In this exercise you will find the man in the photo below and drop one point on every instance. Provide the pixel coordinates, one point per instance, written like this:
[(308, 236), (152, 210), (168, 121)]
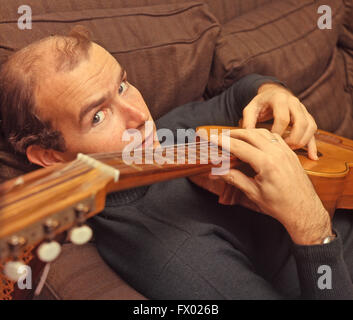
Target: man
[(173, 240)]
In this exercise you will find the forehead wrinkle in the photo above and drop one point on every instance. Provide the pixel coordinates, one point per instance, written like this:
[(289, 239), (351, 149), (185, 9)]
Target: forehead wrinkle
[(72, 90), (94, 77)]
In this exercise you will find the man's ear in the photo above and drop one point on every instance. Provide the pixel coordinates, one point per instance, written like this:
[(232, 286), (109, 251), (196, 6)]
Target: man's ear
[(43, 157)]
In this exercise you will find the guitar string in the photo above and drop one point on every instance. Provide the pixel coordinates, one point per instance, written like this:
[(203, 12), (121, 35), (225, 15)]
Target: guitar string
[(76, 164), (45, 189), (79, 165), (99, 156)]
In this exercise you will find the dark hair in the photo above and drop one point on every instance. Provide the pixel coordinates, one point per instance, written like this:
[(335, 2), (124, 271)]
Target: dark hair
[(20, 124)]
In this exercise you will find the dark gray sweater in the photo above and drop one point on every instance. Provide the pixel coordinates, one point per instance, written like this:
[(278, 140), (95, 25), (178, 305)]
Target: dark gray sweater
[(173, 240)]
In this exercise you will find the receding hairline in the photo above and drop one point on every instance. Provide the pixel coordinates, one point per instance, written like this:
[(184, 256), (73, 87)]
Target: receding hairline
[(23, 71), (61, 52)]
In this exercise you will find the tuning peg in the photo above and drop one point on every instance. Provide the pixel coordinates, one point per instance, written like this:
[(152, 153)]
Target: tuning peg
[(80, 235), (48, 251), (14, 270)]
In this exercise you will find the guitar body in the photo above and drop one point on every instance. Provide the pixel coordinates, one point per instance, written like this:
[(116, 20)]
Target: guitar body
[(331, 175)]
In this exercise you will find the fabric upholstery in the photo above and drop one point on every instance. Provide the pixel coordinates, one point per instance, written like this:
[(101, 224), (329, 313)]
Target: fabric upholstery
[(329, 99), (159, 66), (81, 274), (346, 49), (282, 39), (346, 36), (224, 10)]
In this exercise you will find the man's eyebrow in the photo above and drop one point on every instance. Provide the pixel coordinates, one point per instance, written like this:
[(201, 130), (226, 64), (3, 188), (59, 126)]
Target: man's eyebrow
[(88, 108), (92, 105)]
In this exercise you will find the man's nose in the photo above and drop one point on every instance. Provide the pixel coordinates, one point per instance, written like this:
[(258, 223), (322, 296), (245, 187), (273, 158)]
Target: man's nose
[(135, 116)]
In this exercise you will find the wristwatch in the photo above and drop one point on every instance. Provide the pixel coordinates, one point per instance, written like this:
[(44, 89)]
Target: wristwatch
[(329, 239)]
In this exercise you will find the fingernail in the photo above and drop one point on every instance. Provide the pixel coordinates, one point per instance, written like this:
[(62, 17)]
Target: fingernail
[(313, 157)]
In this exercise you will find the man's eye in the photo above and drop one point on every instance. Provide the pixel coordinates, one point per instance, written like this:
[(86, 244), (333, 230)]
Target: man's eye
[(98, 117), (123, 87)]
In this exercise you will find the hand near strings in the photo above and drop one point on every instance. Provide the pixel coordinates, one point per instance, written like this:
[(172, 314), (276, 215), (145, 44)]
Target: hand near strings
[(273, 101), (280, 187)]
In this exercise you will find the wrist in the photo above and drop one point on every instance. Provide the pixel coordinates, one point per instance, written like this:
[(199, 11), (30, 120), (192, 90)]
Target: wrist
[(313, 233)]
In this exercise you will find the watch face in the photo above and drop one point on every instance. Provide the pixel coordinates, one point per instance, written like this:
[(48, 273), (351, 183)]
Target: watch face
[(328, 239)]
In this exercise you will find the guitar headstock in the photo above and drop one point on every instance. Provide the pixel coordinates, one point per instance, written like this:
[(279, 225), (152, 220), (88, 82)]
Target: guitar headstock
[(37, 207)]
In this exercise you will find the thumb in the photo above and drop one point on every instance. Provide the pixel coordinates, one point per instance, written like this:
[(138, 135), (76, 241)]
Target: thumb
[(245, 202), (242, 182)]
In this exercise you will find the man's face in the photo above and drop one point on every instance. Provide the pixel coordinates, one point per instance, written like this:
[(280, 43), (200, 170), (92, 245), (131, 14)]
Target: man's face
[(93, 105)]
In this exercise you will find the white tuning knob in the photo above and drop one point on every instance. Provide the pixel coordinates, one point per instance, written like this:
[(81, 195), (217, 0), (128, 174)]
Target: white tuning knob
[(49, 251), (80, 235), (14, 270)]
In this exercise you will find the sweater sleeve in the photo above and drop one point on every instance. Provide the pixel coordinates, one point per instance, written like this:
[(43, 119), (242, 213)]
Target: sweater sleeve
[(322, 271), (224, 110)]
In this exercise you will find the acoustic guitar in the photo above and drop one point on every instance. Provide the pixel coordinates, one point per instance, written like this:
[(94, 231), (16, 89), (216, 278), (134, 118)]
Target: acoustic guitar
[(38, 206)]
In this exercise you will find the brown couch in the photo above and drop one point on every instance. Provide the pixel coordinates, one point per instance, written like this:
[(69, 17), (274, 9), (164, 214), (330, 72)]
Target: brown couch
[(176, 51)]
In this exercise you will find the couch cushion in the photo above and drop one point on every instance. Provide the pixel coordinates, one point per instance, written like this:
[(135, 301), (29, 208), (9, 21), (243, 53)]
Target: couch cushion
[(329, 98), (346, 37), (282, 39), (80, 274), (167, 49), (224, 10)]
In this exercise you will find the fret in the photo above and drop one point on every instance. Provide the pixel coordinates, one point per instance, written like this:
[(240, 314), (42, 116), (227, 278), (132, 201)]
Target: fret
[(173, 158)]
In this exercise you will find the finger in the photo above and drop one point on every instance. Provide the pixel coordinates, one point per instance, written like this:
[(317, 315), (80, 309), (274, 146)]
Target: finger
[(259, 138), (236, 195), (308, 138), (312, 149), (250, 114), (245, 202), (242, 182), (281, 118), (229, 195), (281, 141), (242, 150), (299, 127), (284, 145), (202, 134)]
